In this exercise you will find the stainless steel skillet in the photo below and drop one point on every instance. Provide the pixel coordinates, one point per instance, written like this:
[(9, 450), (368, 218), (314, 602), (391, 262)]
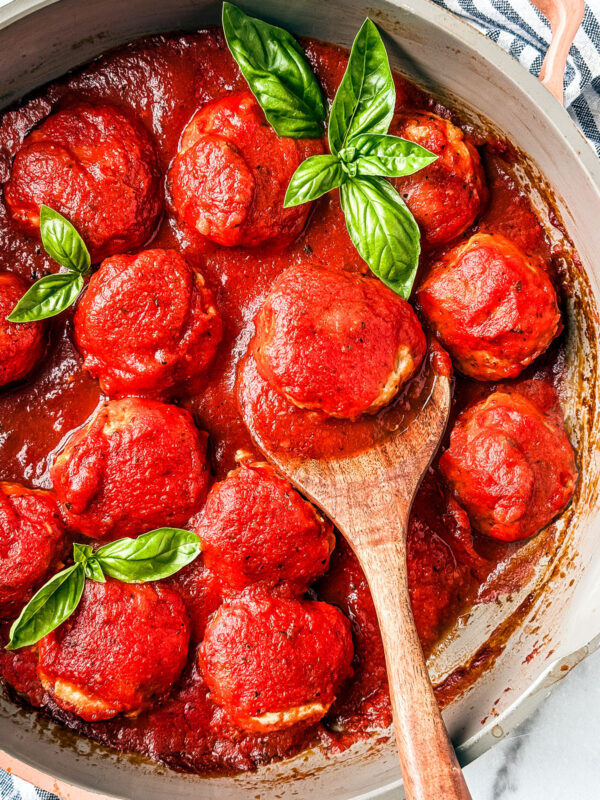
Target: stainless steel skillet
[(561, 623)]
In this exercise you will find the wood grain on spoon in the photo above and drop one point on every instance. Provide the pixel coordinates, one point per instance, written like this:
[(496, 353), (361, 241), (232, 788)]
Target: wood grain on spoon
[(369, 496)]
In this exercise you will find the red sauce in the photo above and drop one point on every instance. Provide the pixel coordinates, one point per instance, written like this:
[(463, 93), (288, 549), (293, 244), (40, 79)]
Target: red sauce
[(163, 80)]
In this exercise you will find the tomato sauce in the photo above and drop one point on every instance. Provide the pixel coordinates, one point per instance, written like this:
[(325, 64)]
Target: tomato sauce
[(163, 80)]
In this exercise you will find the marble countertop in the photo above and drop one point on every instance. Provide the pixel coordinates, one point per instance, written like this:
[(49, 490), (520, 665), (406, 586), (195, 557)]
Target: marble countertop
[(555, 754)]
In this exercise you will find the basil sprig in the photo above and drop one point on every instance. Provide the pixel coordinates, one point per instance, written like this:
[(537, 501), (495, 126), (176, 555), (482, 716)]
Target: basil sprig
[(151, 557), (278, 74), (380, 225), (53, 293)]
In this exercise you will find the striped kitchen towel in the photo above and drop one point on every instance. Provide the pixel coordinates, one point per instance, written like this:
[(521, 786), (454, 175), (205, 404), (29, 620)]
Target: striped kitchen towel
[(520, 29), (12, 788)]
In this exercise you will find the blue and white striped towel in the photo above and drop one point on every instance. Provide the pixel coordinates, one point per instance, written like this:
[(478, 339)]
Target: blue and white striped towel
[(520, 29)]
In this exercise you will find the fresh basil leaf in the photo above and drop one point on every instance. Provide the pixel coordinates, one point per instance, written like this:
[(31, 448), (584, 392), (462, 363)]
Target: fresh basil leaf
[(150, 557), (48, 608), (314, 177), (383, 231), (381, 154), (278, 74), (62, 242), (47, 297), (366, 97)]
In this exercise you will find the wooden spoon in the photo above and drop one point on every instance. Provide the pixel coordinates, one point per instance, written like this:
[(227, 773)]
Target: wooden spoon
[(369, 496)]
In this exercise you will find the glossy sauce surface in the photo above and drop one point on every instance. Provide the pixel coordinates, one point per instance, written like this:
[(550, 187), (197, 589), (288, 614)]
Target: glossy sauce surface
[(163, 81)]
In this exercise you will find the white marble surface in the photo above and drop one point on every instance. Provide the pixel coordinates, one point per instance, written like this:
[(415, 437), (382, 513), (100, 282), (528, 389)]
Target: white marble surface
[(554, 755)]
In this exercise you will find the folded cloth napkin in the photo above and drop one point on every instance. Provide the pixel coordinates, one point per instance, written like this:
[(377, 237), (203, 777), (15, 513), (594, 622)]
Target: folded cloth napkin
[(521, 30)]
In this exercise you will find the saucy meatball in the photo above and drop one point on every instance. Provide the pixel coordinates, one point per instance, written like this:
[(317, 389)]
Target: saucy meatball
[(97, 167), (124, 645), (336, 341), (22, 344), (255, 527), (147, 324), (231, 172), (32, 543), (271, 662), (510, 465), (137, 465), (445, 197), (491, 306)]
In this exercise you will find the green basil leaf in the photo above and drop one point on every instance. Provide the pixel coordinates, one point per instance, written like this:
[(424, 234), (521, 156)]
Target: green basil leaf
[(383, 231), (48, 608), (62, 242), (314, 177), (366, 97), (150, 557), (381, 154), (47, 297), (278, 74)]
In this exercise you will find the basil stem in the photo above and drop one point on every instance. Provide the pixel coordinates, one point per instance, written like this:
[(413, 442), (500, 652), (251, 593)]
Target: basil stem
[(278, 74), (151, 557), (84, 553)]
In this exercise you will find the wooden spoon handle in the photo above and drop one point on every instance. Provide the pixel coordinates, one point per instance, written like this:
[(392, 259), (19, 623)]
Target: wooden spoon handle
[(430, 769)]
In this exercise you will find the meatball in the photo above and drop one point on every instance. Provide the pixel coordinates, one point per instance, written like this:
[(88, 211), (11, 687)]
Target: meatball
[(147, 324), (336, 341), (32, 543), (445, 197), (510, 465), (22, 344), (491, 306), (124, 645), (271, 662), (137, 465), (97, 167), (229, 178), (255, 527), (202, 593)]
